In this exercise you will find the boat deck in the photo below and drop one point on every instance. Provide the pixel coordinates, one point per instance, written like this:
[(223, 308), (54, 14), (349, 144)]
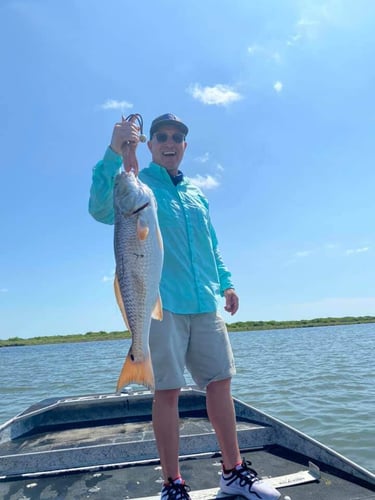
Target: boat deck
[(117, 434), (103, 448), (201, 473)]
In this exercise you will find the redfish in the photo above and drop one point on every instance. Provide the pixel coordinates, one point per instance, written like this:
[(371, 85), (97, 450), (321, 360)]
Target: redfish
[(139, 254)]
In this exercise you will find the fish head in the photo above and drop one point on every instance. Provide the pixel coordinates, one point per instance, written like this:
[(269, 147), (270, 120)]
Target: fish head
[(130, 194)]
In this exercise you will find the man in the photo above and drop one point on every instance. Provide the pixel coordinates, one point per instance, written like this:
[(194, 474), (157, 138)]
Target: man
[(193, 278)]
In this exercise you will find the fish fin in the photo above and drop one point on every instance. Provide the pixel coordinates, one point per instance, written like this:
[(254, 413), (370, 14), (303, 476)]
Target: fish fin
[(159, 238), (142, 230), (157, 313), (137, 372), (119, 300)]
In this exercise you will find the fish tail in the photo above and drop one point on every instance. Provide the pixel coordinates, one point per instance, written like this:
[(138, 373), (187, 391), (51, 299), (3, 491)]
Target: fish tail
[(137, 372)]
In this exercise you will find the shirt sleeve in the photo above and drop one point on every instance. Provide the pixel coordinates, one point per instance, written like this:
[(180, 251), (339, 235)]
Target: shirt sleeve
[(101, 192), (225, 277)]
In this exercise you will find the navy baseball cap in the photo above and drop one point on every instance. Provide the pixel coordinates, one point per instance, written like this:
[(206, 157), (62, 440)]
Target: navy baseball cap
[(168, 119)]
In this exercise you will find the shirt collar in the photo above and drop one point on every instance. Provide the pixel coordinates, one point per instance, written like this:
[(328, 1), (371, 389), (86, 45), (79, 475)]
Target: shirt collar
[(176, 179)]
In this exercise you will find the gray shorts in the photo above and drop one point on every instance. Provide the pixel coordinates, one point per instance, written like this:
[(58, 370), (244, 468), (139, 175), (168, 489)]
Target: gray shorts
[(198, 341)]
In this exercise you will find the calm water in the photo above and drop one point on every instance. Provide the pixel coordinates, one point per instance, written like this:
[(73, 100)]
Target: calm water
[(319, 380)]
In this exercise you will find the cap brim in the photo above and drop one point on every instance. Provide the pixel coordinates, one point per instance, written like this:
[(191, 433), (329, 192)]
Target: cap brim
[(173, 123)]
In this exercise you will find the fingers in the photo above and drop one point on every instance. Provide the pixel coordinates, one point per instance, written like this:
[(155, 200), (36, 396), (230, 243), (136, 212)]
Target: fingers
[(124, 132), (133, 119), (231, 301), (131, 125)]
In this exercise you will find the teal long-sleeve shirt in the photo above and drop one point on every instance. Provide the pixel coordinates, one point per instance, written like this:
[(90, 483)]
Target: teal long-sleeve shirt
[(194, 274)]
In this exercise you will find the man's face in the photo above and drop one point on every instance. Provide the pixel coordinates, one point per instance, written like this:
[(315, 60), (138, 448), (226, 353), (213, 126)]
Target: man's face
[(166, 149)]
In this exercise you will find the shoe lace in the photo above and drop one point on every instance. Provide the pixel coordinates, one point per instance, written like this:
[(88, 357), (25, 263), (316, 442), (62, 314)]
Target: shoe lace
[(244, 474), (178, 491)]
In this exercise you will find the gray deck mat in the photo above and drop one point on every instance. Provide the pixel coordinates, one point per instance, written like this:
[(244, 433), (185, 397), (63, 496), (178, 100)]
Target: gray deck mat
[(199, 473)]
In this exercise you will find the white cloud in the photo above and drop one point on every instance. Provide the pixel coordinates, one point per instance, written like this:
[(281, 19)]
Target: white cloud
[(327, 250), (203, 158), (306, 23), (331, 246), (219, 95), (352, 251), (110, 278), (313, 19), (113, 104), (205, 182), (293, 40), (278, 86), (4, 290), (256, 49), (304, 253)]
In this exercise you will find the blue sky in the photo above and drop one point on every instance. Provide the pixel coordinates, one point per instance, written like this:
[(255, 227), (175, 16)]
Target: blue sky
[(279, 98)]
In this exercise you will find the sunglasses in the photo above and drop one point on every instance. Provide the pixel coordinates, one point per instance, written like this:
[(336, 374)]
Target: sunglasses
[(163, 137)]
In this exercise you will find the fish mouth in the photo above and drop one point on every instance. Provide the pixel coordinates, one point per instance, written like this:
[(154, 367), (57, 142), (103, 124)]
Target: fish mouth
[(142, 207)]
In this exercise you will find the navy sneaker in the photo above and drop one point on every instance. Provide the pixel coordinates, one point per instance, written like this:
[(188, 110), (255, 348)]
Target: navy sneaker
[(175, 490), (245, 482)]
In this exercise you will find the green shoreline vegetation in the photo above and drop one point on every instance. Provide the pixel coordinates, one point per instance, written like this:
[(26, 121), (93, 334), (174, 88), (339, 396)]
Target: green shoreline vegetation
[(240, 326)]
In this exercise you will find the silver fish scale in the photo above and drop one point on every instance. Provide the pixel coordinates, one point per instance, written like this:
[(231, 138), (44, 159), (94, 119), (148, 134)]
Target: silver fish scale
[(138, 262)]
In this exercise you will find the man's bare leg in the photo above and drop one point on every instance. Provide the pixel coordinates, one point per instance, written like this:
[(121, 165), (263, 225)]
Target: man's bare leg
[(165, 419), (220, 409)]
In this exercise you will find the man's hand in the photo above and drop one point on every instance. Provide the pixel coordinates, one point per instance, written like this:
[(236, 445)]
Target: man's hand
[(123, 133), (231, 301)]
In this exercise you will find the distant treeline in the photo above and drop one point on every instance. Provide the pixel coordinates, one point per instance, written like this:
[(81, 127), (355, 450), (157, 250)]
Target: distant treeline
[(240, 326), (63, 339)]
